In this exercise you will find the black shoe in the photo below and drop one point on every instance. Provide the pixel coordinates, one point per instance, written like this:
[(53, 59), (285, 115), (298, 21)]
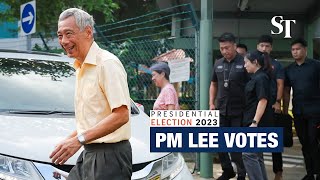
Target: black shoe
[(318, 177), (226, 175), (308, 177), (241, 178)]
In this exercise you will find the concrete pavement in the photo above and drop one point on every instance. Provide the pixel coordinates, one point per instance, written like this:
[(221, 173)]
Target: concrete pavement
[(293, 164)]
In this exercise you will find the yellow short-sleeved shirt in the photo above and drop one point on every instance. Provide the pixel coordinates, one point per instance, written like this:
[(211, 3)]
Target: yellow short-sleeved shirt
[(101, 86)]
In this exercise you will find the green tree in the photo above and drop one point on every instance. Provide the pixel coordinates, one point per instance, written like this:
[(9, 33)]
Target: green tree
[(134, 8), (48, 12), (129, 23)]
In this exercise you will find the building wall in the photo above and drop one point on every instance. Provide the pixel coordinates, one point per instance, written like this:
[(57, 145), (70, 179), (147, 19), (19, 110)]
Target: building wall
[(250, 28), (248, 31)]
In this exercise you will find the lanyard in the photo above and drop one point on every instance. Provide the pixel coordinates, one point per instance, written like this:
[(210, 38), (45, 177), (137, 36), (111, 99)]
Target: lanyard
[(226, 80)]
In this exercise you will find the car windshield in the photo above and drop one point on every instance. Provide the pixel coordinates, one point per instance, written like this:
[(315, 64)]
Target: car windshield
[(36, 85)]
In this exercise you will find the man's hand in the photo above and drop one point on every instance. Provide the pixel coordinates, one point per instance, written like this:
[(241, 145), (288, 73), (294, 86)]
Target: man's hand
[(276, 107), (65, 150), (212, 107), (253, 125)]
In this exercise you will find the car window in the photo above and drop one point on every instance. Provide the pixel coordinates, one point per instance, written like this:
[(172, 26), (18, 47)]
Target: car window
[(134, 108), (36, 85)]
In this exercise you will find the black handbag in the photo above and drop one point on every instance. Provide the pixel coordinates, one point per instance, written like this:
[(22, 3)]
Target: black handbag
[(318, 134), (285, 121)]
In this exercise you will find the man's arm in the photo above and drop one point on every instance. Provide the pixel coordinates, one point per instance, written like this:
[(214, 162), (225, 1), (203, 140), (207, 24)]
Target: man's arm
[(73, 134), (114, 121), (286, 99), (213, 94), (277, 104), (69, 147)]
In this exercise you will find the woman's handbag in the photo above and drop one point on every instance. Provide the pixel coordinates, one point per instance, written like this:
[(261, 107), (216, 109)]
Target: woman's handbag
[(285, 121)]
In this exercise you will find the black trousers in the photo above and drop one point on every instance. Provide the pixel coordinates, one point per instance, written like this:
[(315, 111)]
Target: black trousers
[(231, 121), (277, 162), (308, 134), (104, 162)]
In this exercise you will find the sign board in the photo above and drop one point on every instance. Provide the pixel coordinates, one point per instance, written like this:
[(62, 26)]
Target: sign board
[(179, 70), (28, 18)]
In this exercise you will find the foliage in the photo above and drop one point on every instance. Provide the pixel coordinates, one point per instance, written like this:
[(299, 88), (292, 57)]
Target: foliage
[(52, 50), (133, 8), (47, 12), (55, 69), (137, 19)]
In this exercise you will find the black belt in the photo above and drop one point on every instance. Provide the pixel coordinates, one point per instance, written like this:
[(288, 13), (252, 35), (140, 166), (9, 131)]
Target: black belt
[(97, 146)]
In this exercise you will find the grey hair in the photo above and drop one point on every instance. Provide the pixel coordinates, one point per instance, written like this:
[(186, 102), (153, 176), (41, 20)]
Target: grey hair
[(83, 19)]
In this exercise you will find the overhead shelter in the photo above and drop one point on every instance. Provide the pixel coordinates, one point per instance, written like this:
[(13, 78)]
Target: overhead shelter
[(247, 20)]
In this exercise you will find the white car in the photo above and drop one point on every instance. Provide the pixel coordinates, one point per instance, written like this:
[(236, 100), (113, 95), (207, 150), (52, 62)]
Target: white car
[(36, 113)]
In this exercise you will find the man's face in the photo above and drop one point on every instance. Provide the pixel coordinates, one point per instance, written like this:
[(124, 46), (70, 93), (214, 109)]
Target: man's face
[(71, 39), (228, 49), (298, 51), (264, 47), (241, 51)]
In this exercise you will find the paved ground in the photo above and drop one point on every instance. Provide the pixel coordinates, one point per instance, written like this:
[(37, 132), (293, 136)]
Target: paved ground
[(292, 158)]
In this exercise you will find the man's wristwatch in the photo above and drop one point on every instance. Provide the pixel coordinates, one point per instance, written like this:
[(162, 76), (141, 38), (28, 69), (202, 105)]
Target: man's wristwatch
[(278, 101), (81, 139), (254, 122)]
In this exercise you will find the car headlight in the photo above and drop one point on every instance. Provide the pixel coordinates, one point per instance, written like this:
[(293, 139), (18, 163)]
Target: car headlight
[(17, 169), (172, 165), (167, 168)]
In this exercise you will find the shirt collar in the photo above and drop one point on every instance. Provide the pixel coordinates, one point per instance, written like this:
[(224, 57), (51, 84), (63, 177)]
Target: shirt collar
[(90, 58), (306, 61), (257, 72), (232, 60)]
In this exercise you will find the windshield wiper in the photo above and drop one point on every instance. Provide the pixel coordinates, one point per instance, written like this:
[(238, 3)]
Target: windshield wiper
[(41, 112)]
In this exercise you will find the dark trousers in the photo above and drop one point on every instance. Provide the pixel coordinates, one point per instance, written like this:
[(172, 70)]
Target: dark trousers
[(231, 121), (277, 162), (111, 161), (307, 131)]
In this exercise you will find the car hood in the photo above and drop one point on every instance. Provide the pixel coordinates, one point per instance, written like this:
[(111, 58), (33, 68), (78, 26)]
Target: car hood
[(34, 137)]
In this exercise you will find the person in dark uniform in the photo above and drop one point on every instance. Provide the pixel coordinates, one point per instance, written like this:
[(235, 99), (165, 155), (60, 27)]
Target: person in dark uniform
[(242, 49), (227, 89), (303, 76), (277, 83), (258, 111)]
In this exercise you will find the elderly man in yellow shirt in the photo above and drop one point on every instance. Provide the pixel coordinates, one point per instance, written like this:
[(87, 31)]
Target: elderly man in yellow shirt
[(102, 105)]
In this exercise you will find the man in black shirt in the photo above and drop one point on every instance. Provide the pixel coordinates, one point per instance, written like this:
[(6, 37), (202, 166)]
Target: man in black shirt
[(242, 49), (227, 87), (303, 76)]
